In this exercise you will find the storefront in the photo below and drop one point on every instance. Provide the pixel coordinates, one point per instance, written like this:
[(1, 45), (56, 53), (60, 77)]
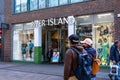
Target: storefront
[(43, 34), (54, 33), (100, 28)]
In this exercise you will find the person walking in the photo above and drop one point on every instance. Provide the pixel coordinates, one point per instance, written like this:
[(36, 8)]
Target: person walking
[(115, 56), (87, 44), (71, 61), (49, 54)]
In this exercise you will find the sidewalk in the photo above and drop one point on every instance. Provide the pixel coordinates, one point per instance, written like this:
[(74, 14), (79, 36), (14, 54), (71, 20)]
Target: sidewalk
[(44, 69)]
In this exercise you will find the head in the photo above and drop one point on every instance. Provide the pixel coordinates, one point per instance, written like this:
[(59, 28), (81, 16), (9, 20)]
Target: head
[(87, 42), (30, 40), (73, 39), (117, 43)]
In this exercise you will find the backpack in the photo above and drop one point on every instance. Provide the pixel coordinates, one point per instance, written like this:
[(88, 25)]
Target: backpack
[(84, 68), (95, 66)]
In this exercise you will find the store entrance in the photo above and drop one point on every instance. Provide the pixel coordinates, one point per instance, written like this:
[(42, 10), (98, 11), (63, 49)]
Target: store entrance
[(54, 37)]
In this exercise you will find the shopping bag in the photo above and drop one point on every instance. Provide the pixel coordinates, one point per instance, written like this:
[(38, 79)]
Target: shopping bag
[(114, 69)]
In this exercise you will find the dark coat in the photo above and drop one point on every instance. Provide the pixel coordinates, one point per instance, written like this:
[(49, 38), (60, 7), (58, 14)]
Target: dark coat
[(114, 53), (71, 62)]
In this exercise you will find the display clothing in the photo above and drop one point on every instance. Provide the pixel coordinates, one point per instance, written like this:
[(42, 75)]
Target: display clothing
[(105, 47)]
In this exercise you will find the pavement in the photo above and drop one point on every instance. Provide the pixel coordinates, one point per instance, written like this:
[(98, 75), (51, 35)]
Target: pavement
[(25, 71)]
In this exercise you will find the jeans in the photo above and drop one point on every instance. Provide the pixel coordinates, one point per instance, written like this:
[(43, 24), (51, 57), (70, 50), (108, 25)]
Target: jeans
[(117, 76)]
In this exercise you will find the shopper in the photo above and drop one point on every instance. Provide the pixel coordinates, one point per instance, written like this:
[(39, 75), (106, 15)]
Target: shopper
[(31, 45), (115, 56), (49, 54), (87, 44), (70, 62)]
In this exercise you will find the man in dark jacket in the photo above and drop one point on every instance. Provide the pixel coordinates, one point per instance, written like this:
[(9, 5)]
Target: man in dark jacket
[(115, 55), (70, 62)]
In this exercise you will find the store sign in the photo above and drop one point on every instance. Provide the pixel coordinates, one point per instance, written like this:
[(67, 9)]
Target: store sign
[(5, 26), (54, 21)]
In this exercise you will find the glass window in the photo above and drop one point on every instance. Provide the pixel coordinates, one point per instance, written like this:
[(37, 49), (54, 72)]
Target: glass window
[(33, 4), (62, 2), (87, 19), (105, 17), (22, 34), (74, 1), (42, 3), (53, 3), (23, 5), (17, 6)]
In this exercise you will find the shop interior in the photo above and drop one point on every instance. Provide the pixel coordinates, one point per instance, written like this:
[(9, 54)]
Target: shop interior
[(54, 37)]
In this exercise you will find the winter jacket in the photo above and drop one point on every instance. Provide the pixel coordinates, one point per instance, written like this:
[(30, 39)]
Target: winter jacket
[(114, 53), (70, 62)]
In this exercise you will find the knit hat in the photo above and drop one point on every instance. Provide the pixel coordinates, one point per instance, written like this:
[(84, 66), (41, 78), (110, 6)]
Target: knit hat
[(87, 41)]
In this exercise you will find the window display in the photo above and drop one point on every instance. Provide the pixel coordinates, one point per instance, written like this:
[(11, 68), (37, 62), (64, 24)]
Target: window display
[(23, 42), (104, 41), (100, 28)]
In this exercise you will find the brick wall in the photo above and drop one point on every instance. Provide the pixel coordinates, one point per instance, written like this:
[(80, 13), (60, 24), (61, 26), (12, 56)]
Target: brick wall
[(77, 9)]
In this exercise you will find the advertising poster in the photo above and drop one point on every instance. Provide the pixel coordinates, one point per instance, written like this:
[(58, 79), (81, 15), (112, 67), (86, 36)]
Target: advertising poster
[(55, 57)]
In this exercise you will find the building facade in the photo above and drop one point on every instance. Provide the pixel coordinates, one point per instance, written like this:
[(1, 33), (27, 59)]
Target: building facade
[(48, 24), (1, 36)]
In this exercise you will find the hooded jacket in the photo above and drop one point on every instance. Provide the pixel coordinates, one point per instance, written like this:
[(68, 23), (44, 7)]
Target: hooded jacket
[(70, 62)]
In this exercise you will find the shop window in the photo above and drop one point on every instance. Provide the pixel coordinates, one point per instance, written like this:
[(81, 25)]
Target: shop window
[(42, 4), (33, 4), (20, 6), (102, 18), (53, 3), (62, 2), (87, 19), (23, 5), (84, 31), (75, 1), (17, 6), (100, 28), (22, 35), (103, 40)]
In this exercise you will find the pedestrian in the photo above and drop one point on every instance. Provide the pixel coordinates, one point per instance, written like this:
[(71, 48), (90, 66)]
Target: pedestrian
[(49, 54), (87, 44), (71, 61), (115, 56), (31, 45)]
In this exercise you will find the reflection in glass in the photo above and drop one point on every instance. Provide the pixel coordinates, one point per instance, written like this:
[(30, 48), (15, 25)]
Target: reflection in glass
[(33, 4), (42, 4), (23, 5), (62, 2), (53, 3), (74, 1), (17, 6)]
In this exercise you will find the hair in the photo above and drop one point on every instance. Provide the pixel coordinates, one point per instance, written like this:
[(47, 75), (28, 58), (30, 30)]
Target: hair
[(116, 41)]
